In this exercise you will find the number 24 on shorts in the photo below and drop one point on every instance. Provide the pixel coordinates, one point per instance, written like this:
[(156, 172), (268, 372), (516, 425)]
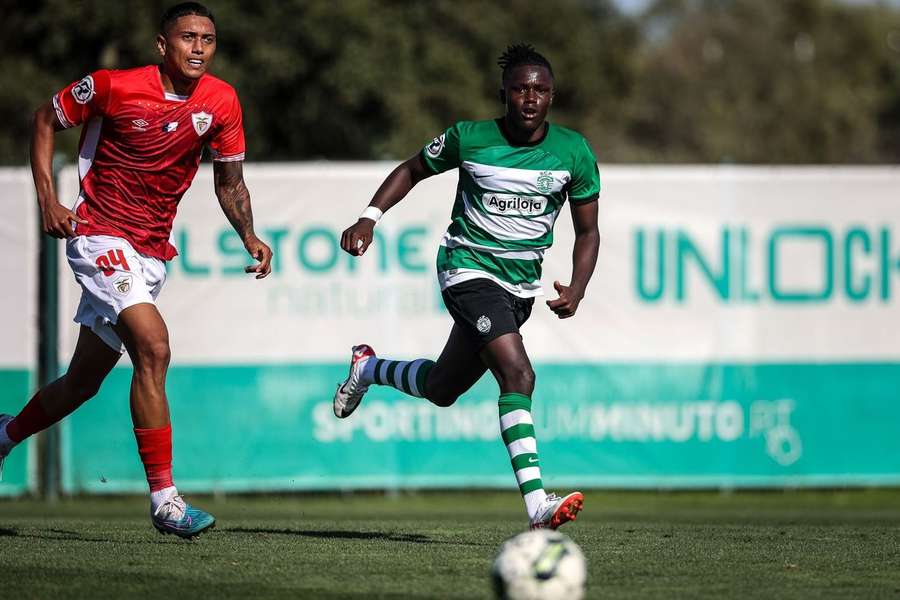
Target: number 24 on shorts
[(114, 258)]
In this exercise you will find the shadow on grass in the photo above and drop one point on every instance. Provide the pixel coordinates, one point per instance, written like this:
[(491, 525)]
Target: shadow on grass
[(412, 538), (74, 536)]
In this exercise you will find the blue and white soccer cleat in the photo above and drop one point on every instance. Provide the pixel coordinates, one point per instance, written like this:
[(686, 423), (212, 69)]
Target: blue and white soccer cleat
[(4, 452), (351, 391), (179, 518), (555, 511)]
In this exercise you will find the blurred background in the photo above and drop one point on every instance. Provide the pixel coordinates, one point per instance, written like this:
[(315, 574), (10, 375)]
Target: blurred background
[(666, 81), (741, 330)]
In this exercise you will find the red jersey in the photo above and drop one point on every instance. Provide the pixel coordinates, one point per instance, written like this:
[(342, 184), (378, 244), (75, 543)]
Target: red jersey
[(140, 148)]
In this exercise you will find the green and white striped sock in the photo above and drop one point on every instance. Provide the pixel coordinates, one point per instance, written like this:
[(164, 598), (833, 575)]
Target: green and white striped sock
[(517, 429), (407, 376)]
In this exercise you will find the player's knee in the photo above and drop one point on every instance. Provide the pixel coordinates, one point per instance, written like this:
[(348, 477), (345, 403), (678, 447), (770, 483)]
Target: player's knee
[(443, 399), (518, 378), (153, 355), (526, 379), (81, 390)]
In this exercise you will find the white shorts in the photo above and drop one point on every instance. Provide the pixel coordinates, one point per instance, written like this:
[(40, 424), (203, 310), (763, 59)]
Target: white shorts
[(112, 276)]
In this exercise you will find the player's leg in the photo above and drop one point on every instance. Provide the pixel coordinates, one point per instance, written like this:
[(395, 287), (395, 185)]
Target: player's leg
[(502, 315), (146, 338), (441, 382), (456, 370), (91, 362), (509, 363)]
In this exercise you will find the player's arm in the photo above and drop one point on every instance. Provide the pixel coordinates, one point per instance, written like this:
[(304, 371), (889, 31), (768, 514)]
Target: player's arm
[(56, 219), (357, 237), (584, 259), (234, 198)]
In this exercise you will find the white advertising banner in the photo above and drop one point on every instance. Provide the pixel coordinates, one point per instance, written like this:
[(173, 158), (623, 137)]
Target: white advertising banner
[(18, 269), (696, 263)]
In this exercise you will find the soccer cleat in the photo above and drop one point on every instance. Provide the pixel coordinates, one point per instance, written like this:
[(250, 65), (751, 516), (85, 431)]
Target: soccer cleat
[(179, 518), (349, 393), (4, 452), (554, 511)]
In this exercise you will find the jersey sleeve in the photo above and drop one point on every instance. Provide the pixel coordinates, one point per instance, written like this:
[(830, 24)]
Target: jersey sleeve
[(585, 184), (82, 100), (442, 154), (227, 145)]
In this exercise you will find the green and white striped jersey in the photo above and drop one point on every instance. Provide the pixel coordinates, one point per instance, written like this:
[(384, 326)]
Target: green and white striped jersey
[(507, 200)]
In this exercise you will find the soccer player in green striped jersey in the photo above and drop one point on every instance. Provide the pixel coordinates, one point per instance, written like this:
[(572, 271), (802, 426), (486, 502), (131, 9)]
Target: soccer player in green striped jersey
[(515, 173)]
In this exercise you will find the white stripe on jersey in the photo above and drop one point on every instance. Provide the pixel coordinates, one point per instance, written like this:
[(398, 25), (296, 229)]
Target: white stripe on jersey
[(60, 114), (232, 158), (508, 228), (514, 181), (456, 241), (88, 148)]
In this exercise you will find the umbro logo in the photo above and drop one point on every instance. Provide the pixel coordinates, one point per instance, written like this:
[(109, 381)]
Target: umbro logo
[(140, 125)]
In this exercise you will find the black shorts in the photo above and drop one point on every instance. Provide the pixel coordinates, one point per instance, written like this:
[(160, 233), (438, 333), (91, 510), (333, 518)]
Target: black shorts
[(484, 310)]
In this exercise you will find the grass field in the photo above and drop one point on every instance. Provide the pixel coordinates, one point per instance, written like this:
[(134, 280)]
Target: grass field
[(796, 544)]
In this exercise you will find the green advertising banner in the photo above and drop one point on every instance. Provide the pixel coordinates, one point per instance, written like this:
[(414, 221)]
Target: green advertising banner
[(18, 468), (243, 428)]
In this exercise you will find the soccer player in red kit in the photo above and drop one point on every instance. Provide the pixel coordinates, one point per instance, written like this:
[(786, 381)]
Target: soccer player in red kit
[(143, 132)]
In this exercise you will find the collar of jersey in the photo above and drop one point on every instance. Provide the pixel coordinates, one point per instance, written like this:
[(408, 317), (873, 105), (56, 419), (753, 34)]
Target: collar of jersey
[(502, 129)]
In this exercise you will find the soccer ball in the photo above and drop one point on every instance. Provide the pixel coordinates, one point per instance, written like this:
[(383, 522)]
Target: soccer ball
[(539, 565)]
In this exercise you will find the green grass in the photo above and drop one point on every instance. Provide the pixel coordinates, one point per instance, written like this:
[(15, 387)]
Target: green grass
[(799, 544)]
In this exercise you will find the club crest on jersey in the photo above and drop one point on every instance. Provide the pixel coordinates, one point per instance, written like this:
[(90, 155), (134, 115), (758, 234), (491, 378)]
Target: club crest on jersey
[(83, 91), (545, 182), (123, 284), (201, 121), (436, 146)]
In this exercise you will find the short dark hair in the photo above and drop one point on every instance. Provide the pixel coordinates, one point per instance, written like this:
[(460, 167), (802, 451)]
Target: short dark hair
[(521, 54), (184, 9)]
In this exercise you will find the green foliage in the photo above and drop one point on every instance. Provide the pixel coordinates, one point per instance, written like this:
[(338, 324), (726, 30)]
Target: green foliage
[(798, 81), (802, 81)]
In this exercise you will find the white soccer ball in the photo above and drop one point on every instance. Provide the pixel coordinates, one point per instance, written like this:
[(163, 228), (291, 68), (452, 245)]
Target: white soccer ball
[(539, 565)]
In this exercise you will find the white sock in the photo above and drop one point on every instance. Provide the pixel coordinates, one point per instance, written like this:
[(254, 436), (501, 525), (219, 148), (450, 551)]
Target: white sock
[(367, 376), (533, 500), (159, 497)]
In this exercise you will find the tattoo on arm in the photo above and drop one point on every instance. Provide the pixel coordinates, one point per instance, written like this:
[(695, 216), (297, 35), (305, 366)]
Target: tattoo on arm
[(234, 198)]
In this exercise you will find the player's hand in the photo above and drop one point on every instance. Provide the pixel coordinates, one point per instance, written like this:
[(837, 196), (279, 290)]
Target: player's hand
[(262, 253), (356, 238), (57, 220), (568, 301)]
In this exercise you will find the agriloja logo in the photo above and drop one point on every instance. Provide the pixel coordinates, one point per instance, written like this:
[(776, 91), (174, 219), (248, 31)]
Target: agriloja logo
[(513, 205)]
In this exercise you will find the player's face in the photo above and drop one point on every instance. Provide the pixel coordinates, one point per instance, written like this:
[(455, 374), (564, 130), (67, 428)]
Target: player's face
[(188, 47), (528, 93)]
